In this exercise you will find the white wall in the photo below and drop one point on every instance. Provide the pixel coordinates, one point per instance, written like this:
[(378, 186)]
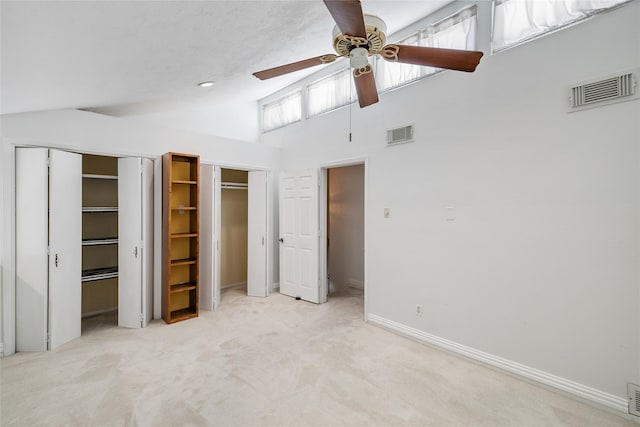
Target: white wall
[(346, 225), (541, 265), (94, 133)]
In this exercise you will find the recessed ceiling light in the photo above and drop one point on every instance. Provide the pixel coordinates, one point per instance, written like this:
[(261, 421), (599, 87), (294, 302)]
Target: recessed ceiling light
[(205, 84)]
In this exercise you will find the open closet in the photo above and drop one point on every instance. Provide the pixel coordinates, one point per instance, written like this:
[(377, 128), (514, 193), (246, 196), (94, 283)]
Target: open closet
[(84, 243), (100, 237), (234, 208)]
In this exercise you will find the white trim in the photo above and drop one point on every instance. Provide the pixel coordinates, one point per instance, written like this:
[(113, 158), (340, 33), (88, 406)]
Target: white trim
[(597, 396), (233, 285), (359, 284), (275, 287), (103, 311)]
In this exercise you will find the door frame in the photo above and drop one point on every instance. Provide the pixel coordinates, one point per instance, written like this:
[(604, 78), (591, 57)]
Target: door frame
[(324, 217), (217, 197)]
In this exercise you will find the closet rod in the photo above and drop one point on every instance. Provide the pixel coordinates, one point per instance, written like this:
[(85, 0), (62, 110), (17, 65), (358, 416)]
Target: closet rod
[(234, 186)]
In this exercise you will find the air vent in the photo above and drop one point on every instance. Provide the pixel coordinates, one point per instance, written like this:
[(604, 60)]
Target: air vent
[(633, 391), (400, 135), (618, 88)]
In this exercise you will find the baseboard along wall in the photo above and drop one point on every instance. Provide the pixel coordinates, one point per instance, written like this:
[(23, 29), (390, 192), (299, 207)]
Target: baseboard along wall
[(582, 391)]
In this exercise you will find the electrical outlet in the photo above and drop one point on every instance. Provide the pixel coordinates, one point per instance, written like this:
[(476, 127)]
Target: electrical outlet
[(419, 310)]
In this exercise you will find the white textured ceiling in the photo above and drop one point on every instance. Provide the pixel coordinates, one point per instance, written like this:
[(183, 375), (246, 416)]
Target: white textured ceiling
[(143, 59)]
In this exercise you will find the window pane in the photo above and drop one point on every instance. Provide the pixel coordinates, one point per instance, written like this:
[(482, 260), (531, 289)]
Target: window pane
[(455, 32), (518, 20), (282, 112), (330, 93)]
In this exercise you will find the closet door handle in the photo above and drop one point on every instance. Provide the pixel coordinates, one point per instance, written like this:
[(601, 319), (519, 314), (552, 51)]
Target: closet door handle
[(55, 261), (263, 241), (281, 240), (135, 252)]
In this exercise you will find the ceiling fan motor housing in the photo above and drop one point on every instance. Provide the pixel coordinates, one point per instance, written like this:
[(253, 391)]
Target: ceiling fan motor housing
[(376, 38)]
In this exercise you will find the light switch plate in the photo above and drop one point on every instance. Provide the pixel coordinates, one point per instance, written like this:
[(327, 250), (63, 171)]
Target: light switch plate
[(451, 213)]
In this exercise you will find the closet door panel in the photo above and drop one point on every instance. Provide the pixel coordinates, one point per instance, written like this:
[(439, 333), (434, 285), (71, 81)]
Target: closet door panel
[(207, 248), (147, 241), (257, 235), (32, 239), (130, 242), (65, 240)]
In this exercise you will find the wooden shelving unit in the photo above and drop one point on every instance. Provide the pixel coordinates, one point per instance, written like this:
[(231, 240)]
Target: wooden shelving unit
[(180, 231)]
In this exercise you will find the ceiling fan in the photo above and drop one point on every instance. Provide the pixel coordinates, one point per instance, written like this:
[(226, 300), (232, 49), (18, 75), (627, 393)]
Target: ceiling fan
[(357, 36)]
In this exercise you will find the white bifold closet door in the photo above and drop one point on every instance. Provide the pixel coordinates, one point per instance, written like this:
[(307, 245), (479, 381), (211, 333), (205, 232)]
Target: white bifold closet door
[(257, 235), (207, 238), (135, 242), (48, 248), (299, 231)]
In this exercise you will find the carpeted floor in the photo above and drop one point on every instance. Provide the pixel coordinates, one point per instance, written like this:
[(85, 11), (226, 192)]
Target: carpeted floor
[(276, 362)]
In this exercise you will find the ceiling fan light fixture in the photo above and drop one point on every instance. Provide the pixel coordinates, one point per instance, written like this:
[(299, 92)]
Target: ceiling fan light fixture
[(358, 57), (206, 84)]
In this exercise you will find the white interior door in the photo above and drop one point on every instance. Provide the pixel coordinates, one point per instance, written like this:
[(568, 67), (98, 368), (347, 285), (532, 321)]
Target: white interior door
[(65, 242), (257, 235), (32, 240), (299, 243), (207, 239)]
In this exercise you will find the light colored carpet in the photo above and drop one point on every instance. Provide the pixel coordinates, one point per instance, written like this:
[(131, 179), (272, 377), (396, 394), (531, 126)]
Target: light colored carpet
[(273, 361)]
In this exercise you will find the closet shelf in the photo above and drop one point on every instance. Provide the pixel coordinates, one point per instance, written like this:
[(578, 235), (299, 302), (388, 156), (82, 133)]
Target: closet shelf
[(99, 274), (181, 181), (184, 314), (183, 235), (99, 242), (185, 261), (97, 209), (184, 208), (96, 176), (182, 287)]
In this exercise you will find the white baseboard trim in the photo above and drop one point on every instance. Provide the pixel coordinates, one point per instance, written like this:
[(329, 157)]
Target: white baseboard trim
[(577, 389), (233, 285), (275, 287), (95, 313), (359, 284), (1, 349)]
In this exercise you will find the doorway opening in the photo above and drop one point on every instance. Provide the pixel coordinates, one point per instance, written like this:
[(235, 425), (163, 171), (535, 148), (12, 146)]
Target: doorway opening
[(99, 241), (234, 208), (344, 264)]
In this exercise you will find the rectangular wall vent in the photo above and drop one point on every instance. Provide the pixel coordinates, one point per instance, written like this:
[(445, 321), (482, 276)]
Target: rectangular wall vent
[(633, 391), (602, 92), (400, 135)]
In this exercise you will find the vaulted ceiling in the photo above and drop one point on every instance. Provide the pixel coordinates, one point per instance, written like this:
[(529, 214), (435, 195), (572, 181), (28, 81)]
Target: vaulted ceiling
[(143, 59)]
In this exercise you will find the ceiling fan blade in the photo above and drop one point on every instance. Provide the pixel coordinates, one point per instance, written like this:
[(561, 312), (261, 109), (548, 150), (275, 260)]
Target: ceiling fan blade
[(348, 16), (365, 86), (295, 66), (451, 59)]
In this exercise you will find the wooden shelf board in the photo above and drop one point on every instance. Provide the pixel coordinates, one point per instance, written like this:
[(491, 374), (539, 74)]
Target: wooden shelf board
[(182, 287), (181, 235), (182, 181), (185, 208), (184, 314), (185, 261)]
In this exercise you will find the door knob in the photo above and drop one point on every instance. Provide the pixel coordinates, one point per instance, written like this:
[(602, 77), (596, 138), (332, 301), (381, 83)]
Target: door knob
[(281, 240)]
